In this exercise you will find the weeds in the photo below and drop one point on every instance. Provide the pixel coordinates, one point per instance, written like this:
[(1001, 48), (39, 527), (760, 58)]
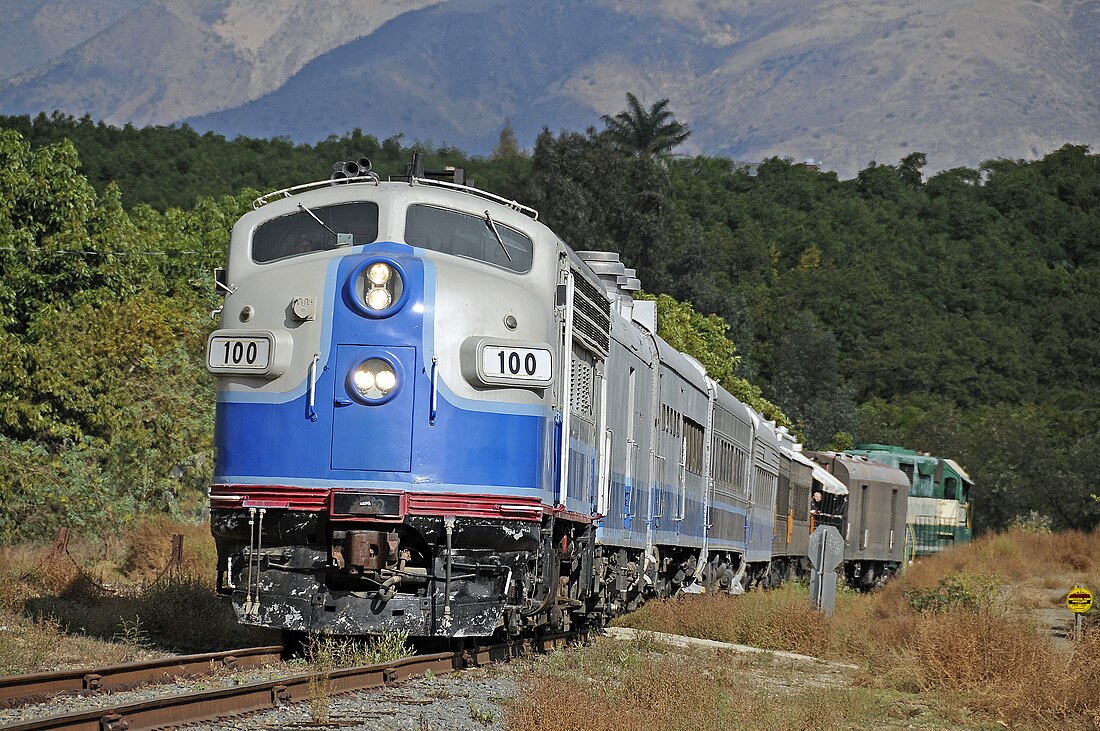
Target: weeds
[(486, 717), (951, 633), (645, 685), (133, 634), (326, 653), (957, 592)]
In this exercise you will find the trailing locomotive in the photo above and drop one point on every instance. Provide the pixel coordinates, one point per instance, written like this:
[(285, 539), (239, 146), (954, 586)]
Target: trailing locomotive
[(938, 514), (435, 416)]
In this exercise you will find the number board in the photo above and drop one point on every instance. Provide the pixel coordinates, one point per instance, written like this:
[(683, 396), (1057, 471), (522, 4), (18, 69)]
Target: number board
[(238, 354), (528, 366)]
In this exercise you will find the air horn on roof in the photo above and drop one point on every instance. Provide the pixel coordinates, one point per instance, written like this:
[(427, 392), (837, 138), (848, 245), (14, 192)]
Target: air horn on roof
[(347, 171)]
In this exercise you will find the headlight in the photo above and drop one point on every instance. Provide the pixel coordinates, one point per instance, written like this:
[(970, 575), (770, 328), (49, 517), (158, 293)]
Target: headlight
[(379, 273), (385, 380), (373, 380), (379, 299), (364, 381), (378, 288)]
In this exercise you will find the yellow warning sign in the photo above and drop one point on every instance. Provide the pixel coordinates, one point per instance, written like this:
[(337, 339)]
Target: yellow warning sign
[(1079, 600)]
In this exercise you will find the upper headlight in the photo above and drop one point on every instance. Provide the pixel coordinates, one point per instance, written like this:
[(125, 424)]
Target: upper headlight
[(379, 273), (378, 288)]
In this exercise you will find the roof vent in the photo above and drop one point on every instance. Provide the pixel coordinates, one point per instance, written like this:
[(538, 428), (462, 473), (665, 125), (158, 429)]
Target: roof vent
[(607, 266), (629, 282)]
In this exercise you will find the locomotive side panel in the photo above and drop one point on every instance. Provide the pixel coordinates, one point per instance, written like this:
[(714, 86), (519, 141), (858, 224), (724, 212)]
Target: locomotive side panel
[(630, 430)]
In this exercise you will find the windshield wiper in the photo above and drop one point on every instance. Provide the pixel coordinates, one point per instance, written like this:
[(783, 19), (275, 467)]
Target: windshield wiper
[(493, 227), (314, 217)]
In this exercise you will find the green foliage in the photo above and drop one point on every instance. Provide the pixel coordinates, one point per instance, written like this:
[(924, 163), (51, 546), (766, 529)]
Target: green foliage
[(957, 313), (703, 337), (957, 592), (569, 186), (651, 131), (105, 409)]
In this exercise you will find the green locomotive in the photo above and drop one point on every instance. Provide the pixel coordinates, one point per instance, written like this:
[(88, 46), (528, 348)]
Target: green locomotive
[(938, 514)]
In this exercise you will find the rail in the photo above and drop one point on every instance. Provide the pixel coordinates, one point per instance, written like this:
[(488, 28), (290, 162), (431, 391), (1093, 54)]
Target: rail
[(200, 706), (16, 690)]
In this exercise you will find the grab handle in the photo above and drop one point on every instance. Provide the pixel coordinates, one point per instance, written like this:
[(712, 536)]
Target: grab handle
[(312, 414), (433, 401)]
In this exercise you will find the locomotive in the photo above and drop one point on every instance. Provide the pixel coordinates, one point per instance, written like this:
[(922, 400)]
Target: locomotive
[(434, 416), (939, 507)]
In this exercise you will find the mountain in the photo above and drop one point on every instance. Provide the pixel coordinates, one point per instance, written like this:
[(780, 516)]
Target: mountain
[(159, 61), (840, 81)]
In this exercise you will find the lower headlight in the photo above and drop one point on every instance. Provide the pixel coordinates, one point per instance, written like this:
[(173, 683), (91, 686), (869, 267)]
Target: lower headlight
[(379, 299), (386, 380), (373, 380), (364, 381)]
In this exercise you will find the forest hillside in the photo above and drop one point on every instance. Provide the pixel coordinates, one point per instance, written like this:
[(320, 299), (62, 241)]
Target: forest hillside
[(957, 313)]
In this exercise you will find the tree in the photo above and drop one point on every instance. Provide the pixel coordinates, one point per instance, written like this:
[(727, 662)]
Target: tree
[(506, 144), (807, 381), (596, 196), (646, 132), (703, 337)]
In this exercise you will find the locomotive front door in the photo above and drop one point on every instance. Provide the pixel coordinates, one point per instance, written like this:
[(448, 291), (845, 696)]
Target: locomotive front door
[(372, 425)]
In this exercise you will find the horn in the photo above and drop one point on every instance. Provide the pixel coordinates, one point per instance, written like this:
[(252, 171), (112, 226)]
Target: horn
[(351, 168), (339, 177), (364, 165)]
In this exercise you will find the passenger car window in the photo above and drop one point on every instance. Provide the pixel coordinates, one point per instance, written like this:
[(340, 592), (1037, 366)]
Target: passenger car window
[(300, 233), (468, 236)]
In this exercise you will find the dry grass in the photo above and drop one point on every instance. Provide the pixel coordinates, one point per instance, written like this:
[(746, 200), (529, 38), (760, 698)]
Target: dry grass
[(641, 685), (958, 632), (781, 619), (103, 601), (991, 649), (148, 549)]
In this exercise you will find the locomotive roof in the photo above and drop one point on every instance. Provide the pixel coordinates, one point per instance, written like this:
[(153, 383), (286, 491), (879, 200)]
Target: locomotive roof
[(862, 469), (375, 182), (891, 454), (958, 468)]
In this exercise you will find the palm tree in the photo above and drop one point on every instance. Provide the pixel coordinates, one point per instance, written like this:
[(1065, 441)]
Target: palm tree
[(652, 132)]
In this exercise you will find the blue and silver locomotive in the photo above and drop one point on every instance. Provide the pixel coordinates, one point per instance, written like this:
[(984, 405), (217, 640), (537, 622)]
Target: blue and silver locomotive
[(435, 416)]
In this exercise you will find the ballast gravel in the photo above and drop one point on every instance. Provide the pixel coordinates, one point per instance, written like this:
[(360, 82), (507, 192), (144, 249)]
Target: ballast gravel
[(468, 700), (472, 700)]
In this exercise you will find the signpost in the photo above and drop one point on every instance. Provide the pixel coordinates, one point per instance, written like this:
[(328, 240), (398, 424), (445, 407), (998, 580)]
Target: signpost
[(826, 551), (1078, 601)]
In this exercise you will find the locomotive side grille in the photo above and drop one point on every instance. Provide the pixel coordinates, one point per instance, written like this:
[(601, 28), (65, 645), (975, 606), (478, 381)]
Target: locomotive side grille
[(591, 316), (580, 396)]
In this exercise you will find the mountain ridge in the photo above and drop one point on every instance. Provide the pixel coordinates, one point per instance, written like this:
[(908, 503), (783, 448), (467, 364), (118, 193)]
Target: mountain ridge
[(844, 82)]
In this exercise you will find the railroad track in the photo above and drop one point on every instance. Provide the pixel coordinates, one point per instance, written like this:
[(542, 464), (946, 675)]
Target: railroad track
[(17, 690), (199, 706)]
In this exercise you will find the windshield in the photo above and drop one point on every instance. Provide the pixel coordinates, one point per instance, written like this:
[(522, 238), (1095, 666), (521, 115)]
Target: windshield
[(473, 237), (346, 224)]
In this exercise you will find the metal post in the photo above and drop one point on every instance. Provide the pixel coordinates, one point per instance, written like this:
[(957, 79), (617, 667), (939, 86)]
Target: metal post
[(61, 540), (176, 561)]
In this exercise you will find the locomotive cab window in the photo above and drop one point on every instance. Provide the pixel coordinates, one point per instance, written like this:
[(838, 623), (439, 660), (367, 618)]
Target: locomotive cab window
[(315, 229), (480, 238), (949, 488)]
